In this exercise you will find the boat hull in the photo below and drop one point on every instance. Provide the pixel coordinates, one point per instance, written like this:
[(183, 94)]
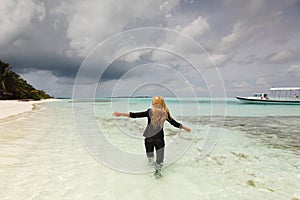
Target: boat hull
[(267, 101)]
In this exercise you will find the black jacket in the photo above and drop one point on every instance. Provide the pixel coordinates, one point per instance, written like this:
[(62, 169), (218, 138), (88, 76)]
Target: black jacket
[(151, 131)]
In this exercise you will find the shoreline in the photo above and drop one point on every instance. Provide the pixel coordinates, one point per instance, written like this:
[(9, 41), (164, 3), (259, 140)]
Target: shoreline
[(10, 108)]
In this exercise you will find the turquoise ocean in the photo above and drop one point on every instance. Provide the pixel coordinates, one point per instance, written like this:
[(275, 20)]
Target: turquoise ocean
[(234, 151)]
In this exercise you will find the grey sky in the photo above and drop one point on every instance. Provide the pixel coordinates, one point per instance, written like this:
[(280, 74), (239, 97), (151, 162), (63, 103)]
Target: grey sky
[(255, 44)]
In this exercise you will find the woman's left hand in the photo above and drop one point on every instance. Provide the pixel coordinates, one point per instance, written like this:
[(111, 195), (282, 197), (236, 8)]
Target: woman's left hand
[(186, 129)]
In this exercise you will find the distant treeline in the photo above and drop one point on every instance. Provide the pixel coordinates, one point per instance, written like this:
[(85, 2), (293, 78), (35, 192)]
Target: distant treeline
[(131, 97), (12, 86)]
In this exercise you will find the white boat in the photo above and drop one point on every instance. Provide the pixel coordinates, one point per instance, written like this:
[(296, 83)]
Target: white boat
[(279, 95)]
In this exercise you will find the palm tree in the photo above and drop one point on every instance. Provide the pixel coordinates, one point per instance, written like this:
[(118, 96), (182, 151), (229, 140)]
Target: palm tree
[(4, 70), (4, 73), (12, 86)]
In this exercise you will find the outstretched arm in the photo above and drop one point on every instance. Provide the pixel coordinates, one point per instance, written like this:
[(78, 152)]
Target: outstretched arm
[(176, 124), (131, 114), (119, 114)]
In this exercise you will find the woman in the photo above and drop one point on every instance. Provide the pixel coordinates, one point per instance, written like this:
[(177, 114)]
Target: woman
[(154, 133)]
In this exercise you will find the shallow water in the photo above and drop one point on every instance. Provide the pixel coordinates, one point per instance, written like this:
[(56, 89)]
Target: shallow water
[(256, 156)]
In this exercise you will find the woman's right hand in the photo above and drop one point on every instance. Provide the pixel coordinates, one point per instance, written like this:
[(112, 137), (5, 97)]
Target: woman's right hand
[(118, 114)]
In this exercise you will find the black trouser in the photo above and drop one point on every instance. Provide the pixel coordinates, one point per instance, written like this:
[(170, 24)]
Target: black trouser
[(159, 145)]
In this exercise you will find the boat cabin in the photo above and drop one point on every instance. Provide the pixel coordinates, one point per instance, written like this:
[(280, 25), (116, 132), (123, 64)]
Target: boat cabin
[(291, 93)]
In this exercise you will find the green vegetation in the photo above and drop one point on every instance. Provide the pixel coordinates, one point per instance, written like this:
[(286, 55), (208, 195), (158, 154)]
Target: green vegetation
[(12, 86)]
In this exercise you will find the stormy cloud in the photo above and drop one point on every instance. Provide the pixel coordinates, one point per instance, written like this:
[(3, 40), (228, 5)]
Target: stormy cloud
[(254, 44)]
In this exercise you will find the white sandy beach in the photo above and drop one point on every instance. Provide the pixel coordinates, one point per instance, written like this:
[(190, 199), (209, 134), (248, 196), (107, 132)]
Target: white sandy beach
[(13, 107)]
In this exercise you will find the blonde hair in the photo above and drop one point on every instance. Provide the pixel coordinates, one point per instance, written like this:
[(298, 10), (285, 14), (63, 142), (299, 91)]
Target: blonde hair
[(160, 111)]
